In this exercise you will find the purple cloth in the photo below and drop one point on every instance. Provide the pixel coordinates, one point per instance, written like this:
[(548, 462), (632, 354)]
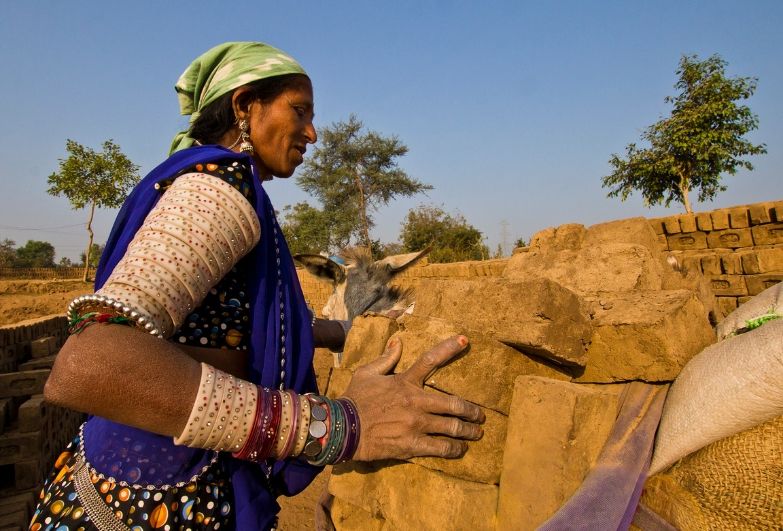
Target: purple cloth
[(138, 456), (608, 496)]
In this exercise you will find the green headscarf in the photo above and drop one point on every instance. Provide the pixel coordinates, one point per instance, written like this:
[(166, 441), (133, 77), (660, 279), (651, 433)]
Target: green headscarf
[(222, 69)]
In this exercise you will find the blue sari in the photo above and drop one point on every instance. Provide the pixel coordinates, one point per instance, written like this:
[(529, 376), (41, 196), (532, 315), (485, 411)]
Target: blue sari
[(277, 303)]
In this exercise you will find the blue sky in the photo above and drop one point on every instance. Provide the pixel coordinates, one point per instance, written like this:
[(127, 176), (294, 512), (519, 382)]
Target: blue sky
[(510, 109)]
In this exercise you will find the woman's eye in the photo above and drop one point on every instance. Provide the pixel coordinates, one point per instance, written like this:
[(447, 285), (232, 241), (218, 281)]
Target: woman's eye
[(300, 110)]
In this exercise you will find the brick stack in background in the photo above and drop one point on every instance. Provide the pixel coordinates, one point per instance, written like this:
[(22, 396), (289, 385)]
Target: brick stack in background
[(738, 249), (32, 433)]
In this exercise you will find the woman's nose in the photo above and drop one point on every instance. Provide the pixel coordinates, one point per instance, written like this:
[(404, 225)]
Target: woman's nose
[(311, 134)]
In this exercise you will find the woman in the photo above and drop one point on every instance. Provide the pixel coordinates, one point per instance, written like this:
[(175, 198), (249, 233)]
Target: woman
[(206, 429)]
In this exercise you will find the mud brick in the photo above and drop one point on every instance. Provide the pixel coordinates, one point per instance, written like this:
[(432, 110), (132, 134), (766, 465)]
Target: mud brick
[(32, 414), (687, 242), (777, 212), (770, 260), (23, 383), (731, 264), (663, 242), (726, 304), (16, 520), (760, 213), (750, 262), (704, 221), (40, 363), (720, 219), (688, 223), (691, 262), (769, 234), (728, 285), (8, 361), (657, 225), (16, 447), (28, 474), (671, 225), (758, 283), (4, 341), (43, 347), (710, 265), (730, 238), (14, 503), (742, 300), (5, 413), (739, 218)]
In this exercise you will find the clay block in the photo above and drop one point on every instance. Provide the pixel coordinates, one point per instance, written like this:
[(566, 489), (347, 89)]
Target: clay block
[(728, 285), (687, 223), (777, 212), (720, 219), (750, 262), (32, 414), (739, 218), (769, 234), (409, 496), (28, 474), (543, 467), (687, 242), (760, 213), (663, 242), (646, 335), (657, 226), (726, 305), (710, 265), (17, 520), (731, 264), (758, 283), (5, 413), (483, 460), (15, 446), (44, 347), (671, 225), (338, 382), (40, 363), (730, 239), (704, 222), (8, 359), (742, 300), (484, 374), (23, 383), (770, 260), (526, 314), (349, 517), (12, 504), (367, 339)]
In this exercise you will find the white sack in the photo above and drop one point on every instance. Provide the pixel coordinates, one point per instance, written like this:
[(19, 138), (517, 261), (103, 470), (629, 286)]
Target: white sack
[(769, 300), (727, 388)]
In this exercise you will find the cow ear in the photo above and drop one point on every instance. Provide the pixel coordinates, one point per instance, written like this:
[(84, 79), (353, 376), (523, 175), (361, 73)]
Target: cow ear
[(401, 262), (322, 267)]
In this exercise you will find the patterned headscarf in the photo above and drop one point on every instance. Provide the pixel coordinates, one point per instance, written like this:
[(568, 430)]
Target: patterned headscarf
[(222, 69)]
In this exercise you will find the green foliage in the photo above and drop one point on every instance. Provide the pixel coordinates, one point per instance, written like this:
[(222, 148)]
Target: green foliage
[(701, 140), (65, 262), (100, 180), (382, 250), (7, 253), (310, 230), (352, 173), (87, 177), (35, 254), (520, 242), (453, 239), (95, 255)]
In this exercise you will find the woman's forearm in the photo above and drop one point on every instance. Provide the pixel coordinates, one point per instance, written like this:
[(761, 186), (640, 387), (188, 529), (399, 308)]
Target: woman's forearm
[(127, 376)]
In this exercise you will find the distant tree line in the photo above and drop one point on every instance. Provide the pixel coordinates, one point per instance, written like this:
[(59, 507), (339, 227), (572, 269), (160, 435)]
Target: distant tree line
[(41, 254)]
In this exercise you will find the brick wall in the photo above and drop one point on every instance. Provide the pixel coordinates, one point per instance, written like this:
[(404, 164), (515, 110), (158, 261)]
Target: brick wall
[(738, 249), (32, 432)]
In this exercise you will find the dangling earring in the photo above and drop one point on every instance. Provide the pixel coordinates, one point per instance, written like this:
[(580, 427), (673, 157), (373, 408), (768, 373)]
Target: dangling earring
[(245, 146)]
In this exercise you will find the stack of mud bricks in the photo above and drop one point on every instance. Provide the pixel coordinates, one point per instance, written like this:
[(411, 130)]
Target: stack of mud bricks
[(738, 249), (32, 433)]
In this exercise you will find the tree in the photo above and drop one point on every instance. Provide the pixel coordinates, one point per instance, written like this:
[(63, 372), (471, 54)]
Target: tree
[(96, 250), (520, 242), (7, 253), (702, 139), (35, 254), (65, 262), (310, 230), (95, 179), (452, 238), (353, 173)]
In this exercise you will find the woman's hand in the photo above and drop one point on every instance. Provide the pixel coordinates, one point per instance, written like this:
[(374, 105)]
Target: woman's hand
[(398, 418)]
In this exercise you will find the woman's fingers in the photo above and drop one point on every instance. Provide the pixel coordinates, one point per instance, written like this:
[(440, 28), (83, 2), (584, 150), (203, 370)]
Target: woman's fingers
[(438, 447), (443, 404), (386, 362), (451, 426), (438, 356)]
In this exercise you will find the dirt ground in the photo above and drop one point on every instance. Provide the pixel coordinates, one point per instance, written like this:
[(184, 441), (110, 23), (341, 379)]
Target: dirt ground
[(21, 300)]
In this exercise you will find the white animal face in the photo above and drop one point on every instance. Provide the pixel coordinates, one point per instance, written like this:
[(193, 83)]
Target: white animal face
[(335, 307)]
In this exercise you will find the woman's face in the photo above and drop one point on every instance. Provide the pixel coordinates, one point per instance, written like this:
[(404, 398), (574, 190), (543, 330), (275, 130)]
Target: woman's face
[(281, 129)]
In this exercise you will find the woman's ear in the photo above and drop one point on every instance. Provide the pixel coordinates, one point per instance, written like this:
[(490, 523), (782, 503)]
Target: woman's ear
[(240, 102)]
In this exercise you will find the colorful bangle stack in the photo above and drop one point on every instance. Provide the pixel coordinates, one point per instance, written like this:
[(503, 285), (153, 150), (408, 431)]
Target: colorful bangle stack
[(199, 229), (258, 424)]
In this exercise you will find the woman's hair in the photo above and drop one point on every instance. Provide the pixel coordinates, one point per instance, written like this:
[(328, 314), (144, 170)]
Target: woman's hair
[(218, 117)]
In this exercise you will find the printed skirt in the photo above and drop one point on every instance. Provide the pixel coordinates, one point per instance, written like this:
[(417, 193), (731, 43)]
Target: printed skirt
[(75, 498)]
